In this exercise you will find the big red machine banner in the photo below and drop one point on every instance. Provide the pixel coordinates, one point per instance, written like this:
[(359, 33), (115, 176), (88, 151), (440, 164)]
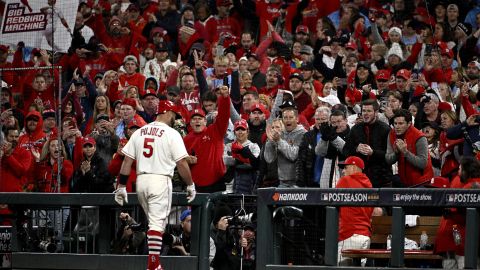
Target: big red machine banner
[(43, 24)]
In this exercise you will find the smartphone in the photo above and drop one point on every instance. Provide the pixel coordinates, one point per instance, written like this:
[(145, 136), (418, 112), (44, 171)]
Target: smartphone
[(225, 80)]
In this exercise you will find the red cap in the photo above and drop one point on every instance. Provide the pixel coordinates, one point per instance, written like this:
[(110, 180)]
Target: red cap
[(421, 11), (241, 124), (351, 45), (419, 90), (223, 3), (353, 160), (383, 74), (302, 29), (404, 73), (446, 51), (260, 107), (131, 102), (135, 123), (3, 48), (89, 140), (438, 182), (198, 112), (444, 106), (167, 105), (148, 91)]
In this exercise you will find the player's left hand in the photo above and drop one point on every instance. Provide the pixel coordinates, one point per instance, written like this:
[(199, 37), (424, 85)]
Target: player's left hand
[(121, 195), (191, 193)]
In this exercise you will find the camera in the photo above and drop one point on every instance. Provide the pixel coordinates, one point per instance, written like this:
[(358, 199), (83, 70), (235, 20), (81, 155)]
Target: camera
[(238, 221), (171, 240), (225, 80), (47, 246), (426, 99)]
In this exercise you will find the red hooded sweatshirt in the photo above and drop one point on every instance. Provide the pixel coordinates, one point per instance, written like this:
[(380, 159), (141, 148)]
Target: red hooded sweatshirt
[(354, 220)]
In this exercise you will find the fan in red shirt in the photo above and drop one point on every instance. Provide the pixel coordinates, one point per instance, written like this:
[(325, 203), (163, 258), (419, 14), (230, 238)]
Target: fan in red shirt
[(222, 23), (355, 226), (40, 91), (248, 45), (15, 163), (11, 77), (131, 76)]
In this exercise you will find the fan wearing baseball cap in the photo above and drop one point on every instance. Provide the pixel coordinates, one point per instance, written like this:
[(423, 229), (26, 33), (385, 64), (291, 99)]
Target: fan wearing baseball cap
[(131, 76), (242, 156), (205, 146), (354, 228)]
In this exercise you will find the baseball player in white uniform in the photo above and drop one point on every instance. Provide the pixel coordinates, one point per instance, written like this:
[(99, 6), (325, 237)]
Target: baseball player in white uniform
[(157, 149)]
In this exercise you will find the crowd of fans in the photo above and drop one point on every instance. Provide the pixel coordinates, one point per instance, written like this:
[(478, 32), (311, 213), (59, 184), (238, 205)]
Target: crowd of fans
[(393, 82)]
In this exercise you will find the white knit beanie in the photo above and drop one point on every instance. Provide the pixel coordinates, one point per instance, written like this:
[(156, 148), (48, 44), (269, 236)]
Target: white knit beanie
[(396, 30), (396, 50)]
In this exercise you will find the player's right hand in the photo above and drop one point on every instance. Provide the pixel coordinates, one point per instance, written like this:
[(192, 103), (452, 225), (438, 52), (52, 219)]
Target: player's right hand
[(121, 195), (191, 192)]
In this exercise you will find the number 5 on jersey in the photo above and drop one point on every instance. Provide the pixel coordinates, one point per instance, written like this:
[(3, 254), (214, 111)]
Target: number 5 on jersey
[(148, 147)]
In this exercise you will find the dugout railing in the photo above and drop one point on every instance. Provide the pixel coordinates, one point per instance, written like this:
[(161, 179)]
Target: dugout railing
[(398, 200), (101, 257)]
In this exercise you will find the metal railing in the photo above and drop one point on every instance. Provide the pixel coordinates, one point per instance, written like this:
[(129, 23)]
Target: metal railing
[(101, 257), (268, 248), (271, 198)]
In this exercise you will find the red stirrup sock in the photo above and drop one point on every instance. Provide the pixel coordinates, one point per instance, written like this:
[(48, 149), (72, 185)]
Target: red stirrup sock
[(154, 249)]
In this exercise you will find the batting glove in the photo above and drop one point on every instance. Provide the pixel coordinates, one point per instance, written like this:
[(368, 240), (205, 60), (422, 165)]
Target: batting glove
[(191, 193), (121, 195)]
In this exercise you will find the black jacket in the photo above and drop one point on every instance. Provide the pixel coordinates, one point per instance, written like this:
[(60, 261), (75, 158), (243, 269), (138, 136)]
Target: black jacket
[(305, 163), (255, 133), (97, 180), (376, 167)]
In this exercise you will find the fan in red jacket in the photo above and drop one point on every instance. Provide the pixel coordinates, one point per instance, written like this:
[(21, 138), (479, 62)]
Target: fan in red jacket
[(445, 245), (47, 177), (34, 136), (205, 146), (15, 163)]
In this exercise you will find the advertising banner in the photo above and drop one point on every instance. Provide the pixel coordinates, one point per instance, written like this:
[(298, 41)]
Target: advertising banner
[(42, 24)]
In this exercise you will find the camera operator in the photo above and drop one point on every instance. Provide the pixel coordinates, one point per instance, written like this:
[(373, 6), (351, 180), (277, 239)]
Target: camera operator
[(130, 238), (470, 131), (178, 237), (230, 238)]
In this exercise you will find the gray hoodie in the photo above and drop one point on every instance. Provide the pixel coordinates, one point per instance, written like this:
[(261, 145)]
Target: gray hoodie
[(286, 151)]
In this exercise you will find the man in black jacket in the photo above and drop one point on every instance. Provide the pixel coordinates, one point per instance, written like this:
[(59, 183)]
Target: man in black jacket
[(92, 176), (368, 140), (313, 170), (332, 142)]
